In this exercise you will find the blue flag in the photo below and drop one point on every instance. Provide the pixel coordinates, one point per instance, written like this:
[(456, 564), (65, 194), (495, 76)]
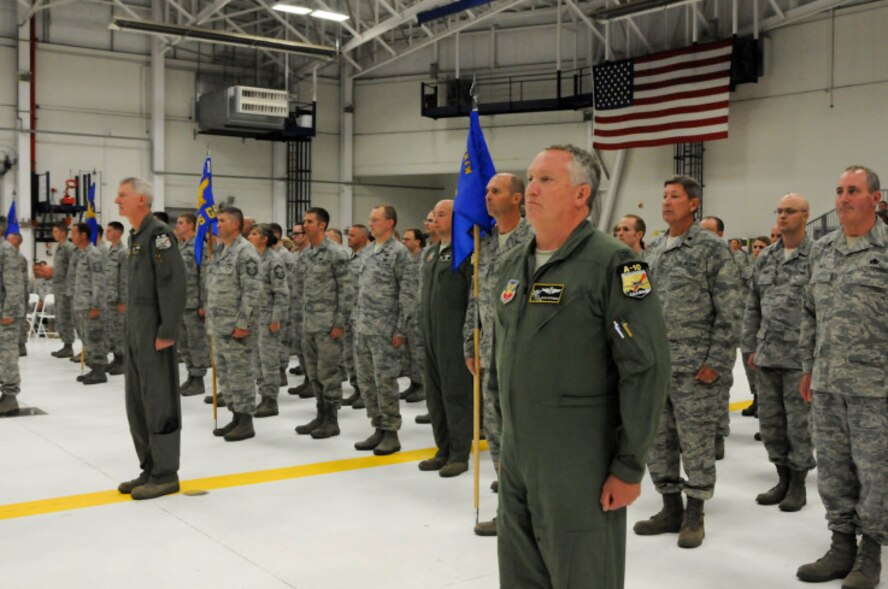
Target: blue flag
[(206, 210), (91, 214), (470, 207), (12, 225)]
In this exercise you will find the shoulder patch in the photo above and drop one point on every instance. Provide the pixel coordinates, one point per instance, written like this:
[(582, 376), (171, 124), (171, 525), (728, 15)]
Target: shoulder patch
[(162, 242), (634, 279), (252, 268), (279, 272), (509, 292)]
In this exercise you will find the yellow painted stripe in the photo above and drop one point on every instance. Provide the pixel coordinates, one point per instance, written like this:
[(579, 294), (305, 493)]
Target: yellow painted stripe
[(71, 502), (740, 405)]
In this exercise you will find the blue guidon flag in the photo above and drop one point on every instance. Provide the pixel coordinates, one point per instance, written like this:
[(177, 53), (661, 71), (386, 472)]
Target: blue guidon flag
[(91, 220), (470, 206), (12, 225), (206, 210)]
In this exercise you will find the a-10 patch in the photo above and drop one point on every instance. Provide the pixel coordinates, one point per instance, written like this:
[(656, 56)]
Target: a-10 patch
[(162, 242), (635, 281)]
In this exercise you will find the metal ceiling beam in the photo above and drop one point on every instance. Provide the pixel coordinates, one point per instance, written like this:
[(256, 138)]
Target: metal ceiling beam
[(801, 12), (777, 10), (442, 35), (210, 10), (387, 25)]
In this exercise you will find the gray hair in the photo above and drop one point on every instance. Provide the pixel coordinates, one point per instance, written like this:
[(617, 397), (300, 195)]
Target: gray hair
[(141, 186), (583, 169), (690, 185), (872, 179)]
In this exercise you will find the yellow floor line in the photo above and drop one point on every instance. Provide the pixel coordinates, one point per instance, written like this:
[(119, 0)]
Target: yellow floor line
[(740, 405), (71, 502)]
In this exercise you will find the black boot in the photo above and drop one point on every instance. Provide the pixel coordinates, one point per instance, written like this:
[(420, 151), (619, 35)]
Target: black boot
[(667, 521), (867, 566), (268, 407), (116, 367), (221, 431), (283, 377), (389, 444), (371, 442), (835, 564), (243, 430), (329, 426), (776, 493), (220, 402), (796, 496), (304, 430), (692, 530), (352, 398), (23, 350), (752, 410), (65, 352), (194, 387), (719, 447), (358, 403), (95, 376)]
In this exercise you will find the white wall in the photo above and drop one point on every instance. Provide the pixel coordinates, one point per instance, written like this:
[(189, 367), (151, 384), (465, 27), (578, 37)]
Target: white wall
[(785, 135)]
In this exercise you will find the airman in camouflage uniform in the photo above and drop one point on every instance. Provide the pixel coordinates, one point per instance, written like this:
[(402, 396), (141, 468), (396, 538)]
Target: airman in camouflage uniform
[(844, 339), (89, 304), (414, 241), (284, 332), (15, 239), (700, 292), (12, 309), (232, 313), (195, 345), (325, 307), (274, 297), (115, 282), (385, 294), (297, 287), (357, 251), (505, 193), (770, 341), (60, 265)]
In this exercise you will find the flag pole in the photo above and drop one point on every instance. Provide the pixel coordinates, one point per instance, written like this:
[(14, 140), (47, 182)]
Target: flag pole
[(476, 378)]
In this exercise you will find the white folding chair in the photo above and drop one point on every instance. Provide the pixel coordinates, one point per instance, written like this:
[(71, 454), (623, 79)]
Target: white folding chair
[(45, 314), (31, 313)]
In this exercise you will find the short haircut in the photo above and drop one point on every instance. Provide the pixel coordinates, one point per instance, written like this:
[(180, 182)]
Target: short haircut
[(234, 213), (389, 212), (691, 186), (516, 184), (267, 232), (639, 226), (719, 224), (161, 216), (141, 186), (321, 214), (336, 232), (100, 231), (583, 169), (277, 230), (418, 235), (60, 225), (872, 179), (116, 225), (363, 228), (767, 240), (190, 218), (84, 229)]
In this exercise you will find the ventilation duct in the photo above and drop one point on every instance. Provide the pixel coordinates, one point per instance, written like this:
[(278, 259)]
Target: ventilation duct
[(241, 108)]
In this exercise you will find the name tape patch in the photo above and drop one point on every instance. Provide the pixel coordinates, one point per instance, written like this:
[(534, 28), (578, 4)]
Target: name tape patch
[(546, 293)]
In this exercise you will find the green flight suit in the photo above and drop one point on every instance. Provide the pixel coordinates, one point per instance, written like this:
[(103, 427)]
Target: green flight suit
[(154, 306), (582, 366), (447, 381)]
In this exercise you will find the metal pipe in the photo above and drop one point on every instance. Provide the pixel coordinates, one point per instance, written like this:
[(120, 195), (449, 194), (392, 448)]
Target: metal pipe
[(32, 55)]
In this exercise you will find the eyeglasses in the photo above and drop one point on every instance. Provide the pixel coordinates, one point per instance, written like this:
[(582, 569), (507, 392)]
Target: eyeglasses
[(295, 233), (788, 211)]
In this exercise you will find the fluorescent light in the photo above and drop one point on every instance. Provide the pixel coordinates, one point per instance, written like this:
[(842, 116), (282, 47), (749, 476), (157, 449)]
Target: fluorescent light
[(291, 9), (329, 15)]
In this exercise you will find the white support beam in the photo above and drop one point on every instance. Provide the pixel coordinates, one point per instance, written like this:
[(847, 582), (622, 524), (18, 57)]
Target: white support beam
[(613, 190), (34, 8), (23, 112), (586, 20), (777, 10), (158, 113), (210, 10), (443, 34), (388, 24), (803, 11)]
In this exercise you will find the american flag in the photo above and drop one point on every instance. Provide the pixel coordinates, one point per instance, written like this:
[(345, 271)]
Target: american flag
[(678, 96)]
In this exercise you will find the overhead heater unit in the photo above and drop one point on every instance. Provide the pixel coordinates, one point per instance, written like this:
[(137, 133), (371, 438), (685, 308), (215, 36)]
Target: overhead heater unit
[(242, 108)]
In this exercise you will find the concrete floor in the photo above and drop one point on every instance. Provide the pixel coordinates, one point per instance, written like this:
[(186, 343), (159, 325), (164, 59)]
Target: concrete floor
[(338, 524)]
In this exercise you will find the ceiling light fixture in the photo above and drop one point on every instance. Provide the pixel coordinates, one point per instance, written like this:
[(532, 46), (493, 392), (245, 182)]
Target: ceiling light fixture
[(281, 7), (326, 15)]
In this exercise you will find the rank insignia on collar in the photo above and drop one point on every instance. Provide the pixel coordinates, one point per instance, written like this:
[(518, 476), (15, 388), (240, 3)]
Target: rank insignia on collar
[(509, 292), (634, 279), (546, 293), (162, 242)]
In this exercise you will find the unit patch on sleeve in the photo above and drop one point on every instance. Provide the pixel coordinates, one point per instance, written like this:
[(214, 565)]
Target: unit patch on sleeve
[(252, 268), (509, 292), (546, 293), (636, 283), (162, 242)]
